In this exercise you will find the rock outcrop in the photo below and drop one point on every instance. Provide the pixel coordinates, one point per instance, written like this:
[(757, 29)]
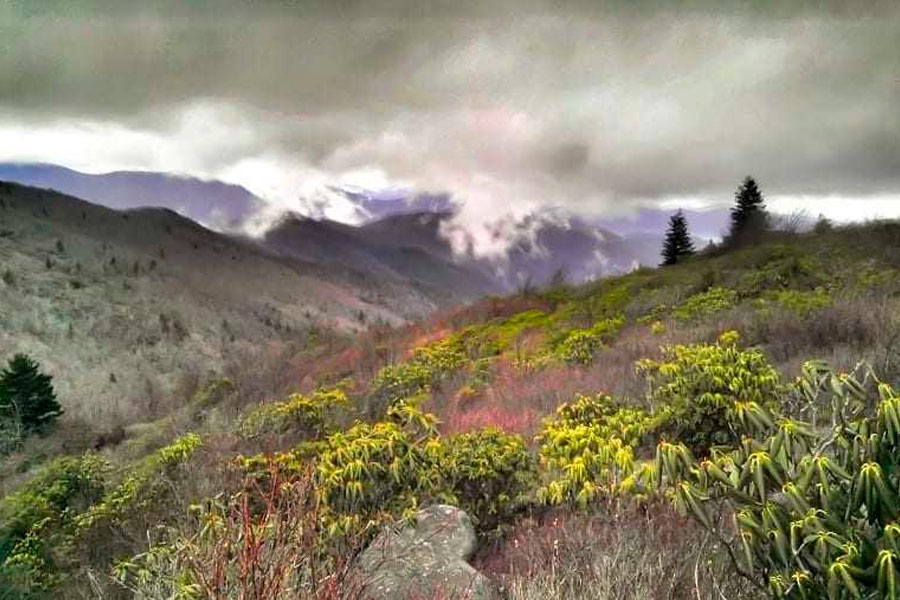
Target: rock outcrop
[(425, 561)]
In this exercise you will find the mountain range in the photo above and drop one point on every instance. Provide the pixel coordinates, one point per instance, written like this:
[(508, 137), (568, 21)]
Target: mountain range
[(396, 230)]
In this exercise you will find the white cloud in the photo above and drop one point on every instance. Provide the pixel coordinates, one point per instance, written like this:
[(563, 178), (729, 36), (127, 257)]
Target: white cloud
[(599, 109)]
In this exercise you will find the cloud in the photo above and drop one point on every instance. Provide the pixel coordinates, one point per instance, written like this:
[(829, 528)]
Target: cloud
[(598, 107)]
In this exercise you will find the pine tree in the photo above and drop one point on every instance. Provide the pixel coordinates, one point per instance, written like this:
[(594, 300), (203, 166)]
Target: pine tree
[(26, 394), (748, 216), (678, 241)]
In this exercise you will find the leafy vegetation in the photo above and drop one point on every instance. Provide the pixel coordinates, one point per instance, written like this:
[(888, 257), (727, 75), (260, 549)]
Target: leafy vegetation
[(790, 483), (587, 450), (305, 415), (31, 518), (705, 304), (578, 346), (428, 365), (815, 509)]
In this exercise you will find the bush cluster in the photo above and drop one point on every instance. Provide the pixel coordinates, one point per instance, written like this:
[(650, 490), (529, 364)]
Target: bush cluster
[(705, 304), (586, 450), (374, 473), (70, 511), (579, 346), (428, 365), (815, 510), (700, 392), (800, 302), (306, 415)]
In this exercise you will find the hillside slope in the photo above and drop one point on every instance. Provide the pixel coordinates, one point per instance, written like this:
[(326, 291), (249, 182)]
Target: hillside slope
[(121, 305), (563, 420), (429, 267)]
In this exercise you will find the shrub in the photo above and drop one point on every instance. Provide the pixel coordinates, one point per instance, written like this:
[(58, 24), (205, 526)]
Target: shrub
[(870, 278), (370, 474), (503, 332), (705, 304), (213, 393), (646, 552), (376, 473), (815, 511), (802, 303), (579, 346), (782, 268), (428, 365), (147, 487), (244, 545), (700, 392), (306, 415), (491, 472), (32, 518), (587, 451)]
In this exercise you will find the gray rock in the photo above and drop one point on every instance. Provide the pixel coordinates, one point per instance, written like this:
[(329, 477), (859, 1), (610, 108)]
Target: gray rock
[(425, 561)]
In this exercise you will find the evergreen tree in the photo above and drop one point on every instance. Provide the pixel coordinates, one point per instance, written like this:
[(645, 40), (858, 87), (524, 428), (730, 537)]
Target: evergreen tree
[(26, 394), (748, 216), (678, 241)]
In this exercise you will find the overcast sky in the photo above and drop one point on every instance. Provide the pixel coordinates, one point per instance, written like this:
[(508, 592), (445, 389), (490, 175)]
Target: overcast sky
[(511, 105)]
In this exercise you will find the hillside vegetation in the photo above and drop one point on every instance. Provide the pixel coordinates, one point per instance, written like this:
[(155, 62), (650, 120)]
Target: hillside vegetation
[(129, 309), (724, 427)]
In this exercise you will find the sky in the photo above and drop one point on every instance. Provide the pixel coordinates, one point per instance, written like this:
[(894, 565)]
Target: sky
[(510, 106)]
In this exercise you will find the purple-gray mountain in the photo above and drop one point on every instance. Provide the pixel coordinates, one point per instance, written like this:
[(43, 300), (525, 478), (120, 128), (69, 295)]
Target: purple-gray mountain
[(400, 239), (212, 203)]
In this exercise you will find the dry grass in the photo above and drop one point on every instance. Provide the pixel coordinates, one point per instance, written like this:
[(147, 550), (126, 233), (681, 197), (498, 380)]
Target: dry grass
[(617, 554)]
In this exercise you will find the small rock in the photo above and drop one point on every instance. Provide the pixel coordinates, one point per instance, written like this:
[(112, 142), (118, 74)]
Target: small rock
[(425, 561)]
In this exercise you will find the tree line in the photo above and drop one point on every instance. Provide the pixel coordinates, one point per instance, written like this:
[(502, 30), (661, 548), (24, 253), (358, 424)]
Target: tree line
[(748, 222)]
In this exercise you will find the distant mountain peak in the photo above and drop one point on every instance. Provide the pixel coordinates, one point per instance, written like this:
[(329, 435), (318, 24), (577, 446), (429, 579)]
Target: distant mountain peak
[(215, 204)]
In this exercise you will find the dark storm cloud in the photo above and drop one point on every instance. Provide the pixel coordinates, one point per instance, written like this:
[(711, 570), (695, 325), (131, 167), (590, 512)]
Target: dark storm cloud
[(583, 104)]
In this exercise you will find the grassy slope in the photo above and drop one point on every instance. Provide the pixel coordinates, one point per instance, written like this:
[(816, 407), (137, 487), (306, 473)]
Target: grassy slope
[(832, 295)]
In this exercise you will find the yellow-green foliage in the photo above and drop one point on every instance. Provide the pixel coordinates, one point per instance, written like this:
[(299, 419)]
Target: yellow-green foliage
[(506, 331), (656, 314), (587, 452), (373, 473), (140, 489), (428, 365), (700, 391), (779, 267), (303, 414), (705, 304), (32, 517), (496, 336), (490, 472), (212, 393), (605, 299), (370, 474), (578, 346), (815, 510), (871, 278), (800, 302)]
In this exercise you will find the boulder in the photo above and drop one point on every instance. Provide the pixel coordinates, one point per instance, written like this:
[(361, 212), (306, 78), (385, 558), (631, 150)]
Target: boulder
[(425, 560)]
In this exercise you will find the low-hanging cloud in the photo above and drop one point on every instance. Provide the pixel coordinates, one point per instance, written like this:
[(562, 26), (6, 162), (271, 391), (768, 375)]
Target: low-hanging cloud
[(508, 106)]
